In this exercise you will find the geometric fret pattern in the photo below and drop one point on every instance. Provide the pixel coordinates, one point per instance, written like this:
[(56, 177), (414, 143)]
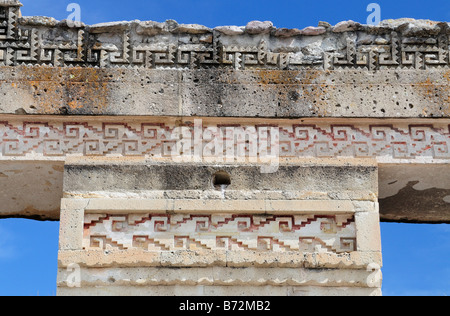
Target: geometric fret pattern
[(297, 233), (161, 139), (169, 45)]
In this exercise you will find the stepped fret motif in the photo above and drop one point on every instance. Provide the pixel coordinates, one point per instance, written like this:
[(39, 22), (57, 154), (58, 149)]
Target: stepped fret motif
[(306, 233), (131, 46), (158, 139)]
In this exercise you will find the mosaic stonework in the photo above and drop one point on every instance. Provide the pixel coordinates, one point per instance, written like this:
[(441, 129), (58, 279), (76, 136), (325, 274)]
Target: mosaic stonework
[(47, 42), (306, 233), (159, 139)]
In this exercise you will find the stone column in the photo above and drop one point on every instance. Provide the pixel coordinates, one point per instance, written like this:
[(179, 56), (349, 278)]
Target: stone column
[(135, 227)]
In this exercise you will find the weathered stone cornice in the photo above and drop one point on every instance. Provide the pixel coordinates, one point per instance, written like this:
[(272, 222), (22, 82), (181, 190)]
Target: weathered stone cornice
[(10, 3), (400, 68), (405, 43)]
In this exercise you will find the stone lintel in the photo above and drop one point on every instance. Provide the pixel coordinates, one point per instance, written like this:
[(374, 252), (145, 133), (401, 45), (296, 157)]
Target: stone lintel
[(187, 70), (224, 93), (320, 178), (409, 154)]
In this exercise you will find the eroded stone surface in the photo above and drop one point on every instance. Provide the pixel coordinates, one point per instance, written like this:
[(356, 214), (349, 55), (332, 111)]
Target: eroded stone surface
[(224, 93), (136, 218), (353, 182), (243, 239), (31, 189), (257, 70), (415, 193)]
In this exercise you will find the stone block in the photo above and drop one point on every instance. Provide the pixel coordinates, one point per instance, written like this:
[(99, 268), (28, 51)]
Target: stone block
[(368, 231)]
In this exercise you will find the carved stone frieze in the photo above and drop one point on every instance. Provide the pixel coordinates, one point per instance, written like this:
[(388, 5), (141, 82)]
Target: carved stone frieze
[(259, 45)]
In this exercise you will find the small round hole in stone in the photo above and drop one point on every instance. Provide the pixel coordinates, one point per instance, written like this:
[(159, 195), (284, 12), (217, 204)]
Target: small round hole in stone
[(221, 180)]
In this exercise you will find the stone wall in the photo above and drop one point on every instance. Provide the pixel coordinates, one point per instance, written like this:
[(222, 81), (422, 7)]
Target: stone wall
[(397, 69), (412, 155), (137, 228), (182, 159)]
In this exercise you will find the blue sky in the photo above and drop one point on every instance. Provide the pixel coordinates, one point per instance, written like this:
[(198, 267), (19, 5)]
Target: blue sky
[(416, 257), (283, 13)]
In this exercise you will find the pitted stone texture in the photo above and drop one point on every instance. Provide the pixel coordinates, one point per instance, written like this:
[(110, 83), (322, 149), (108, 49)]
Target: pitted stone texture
[(338, 181), (225, 72), (253, 71), (225, 93)]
